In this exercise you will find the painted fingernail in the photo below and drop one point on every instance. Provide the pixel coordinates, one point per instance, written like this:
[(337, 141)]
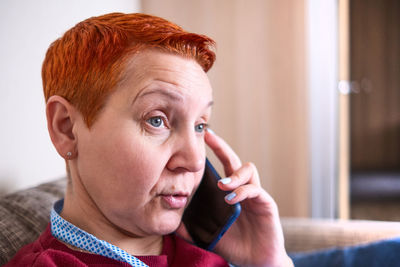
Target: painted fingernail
[(226, 180), (230, 196), (210, 131)]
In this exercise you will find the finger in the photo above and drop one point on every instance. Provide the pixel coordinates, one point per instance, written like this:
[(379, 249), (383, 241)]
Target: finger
[(224, 152), (264, 202), (247, 191), (247, 173)]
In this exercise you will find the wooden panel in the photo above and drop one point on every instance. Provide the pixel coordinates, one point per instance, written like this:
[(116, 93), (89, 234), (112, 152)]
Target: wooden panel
[(259, 85), (375, 67)]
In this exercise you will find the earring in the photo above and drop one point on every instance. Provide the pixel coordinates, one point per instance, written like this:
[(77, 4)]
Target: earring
[(69, 154)]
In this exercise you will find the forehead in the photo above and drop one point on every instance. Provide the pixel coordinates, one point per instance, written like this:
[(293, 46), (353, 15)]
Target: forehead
[(151, 66)]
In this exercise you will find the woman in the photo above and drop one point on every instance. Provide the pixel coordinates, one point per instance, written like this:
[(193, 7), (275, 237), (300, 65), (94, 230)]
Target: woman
[(128, 101)]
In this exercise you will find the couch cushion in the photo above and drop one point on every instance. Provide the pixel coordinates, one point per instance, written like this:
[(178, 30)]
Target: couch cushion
[(304, 234), (24, 215)]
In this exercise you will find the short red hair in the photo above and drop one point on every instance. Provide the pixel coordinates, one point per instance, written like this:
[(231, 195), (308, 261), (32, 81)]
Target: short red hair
[(86, 63)]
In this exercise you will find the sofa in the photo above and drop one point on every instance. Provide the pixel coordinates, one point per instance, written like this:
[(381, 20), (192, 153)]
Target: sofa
[(25, 214)]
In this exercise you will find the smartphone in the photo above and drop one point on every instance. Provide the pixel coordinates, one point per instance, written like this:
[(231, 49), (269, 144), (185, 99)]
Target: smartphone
[(208, 216)]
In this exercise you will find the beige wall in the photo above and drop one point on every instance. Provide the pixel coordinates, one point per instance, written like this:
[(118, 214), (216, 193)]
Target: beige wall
[(27, 28), (259, 82)]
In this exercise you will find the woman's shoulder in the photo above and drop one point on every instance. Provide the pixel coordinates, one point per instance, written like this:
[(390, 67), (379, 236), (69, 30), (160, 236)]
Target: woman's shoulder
[(28, 254), (48, 251)]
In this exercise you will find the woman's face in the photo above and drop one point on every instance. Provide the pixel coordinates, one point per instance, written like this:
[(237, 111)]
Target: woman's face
[(144, 156)]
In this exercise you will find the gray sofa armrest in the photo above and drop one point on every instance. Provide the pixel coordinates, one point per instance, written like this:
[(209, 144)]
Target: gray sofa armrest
[(24, 215)]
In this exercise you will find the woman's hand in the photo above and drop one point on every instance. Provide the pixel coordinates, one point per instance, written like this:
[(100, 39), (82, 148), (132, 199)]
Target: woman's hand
[(256, 238)]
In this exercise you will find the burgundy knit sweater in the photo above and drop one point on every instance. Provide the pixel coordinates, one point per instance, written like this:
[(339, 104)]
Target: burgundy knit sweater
[(48, 251)]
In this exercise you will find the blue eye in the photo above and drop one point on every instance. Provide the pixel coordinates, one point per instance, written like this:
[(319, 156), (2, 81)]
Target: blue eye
[(156, 121), (200, 127)]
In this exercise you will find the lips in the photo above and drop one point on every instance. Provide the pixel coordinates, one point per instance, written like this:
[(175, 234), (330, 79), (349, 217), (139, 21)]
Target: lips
[(174, 201)]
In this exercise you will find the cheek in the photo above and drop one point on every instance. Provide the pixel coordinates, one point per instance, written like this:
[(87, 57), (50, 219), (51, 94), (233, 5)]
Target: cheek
[(123, 162), (134, 162)]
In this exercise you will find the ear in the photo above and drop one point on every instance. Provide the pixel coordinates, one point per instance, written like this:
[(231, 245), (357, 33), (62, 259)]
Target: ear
[(61, 116)]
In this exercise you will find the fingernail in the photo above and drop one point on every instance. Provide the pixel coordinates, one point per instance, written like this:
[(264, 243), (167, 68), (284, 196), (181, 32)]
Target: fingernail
[(210, 131), (226, 180), (230, 196)]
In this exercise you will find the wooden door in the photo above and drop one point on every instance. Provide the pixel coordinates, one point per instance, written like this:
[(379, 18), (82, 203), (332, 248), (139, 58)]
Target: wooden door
[(375, 72)]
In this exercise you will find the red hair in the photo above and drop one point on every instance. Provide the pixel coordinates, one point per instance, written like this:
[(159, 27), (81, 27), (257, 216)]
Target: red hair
[(87, 62)]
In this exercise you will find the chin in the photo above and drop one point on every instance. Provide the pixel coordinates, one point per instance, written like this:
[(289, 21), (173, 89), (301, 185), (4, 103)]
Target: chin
[(168, 224)]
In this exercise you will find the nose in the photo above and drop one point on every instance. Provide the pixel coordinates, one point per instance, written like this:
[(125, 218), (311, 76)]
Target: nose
[(188, 153)]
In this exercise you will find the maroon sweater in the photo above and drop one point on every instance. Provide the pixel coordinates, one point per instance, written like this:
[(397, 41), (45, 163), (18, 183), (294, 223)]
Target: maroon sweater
[(48, 251)]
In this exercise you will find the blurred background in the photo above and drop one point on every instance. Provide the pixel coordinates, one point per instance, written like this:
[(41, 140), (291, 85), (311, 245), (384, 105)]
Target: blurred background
[(308, 90)]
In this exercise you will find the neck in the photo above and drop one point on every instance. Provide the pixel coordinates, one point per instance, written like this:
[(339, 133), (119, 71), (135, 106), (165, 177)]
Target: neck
[(80, 210)]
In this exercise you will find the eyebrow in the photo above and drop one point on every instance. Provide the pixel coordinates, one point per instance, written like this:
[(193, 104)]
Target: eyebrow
[(166, 92)]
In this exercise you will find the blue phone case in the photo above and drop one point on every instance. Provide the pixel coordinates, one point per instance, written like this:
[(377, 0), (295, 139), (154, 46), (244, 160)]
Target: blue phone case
[(236, 212), (208, 216)]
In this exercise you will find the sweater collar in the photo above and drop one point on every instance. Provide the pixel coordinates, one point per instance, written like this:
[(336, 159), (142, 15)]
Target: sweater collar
[(74, 236)]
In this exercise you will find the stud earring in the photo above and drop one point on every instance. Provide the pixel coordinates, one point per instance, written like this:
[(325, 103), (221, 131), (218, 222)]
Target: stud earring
[(69, 154)]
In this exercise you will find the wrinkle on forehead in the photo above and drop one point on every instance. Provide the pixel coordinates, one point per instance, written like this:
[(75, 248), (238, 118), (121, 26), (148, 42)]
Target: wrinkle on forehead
[(149, 66), (135, 71)]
